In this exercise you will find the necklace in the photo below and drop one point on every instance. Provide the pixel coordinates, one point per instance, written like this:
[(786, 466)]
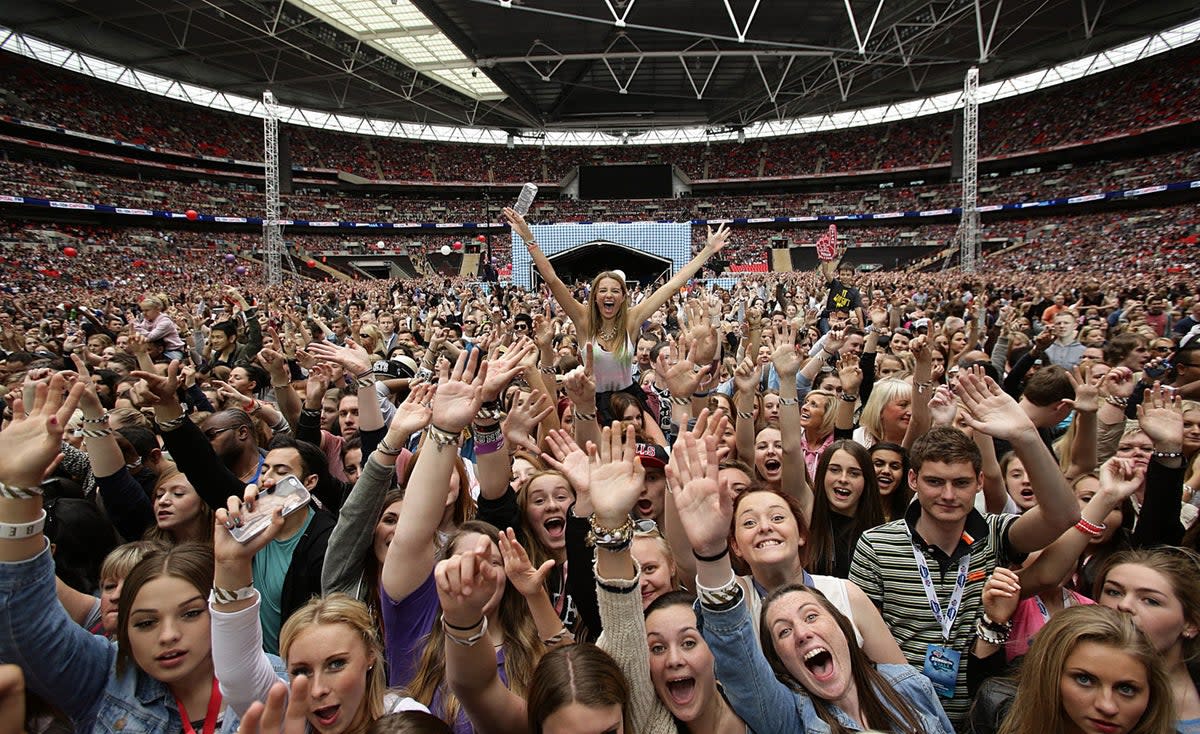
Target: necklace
[(608, 334)]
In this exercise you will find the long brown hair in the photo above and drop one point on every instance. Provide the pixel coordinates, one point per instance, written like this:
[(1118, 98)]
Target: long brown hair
[(1180, 566), (1038, 705), (880, 704), (582, 674), (868, 513), (522, 646), (204, 520), (464, 506), (192, 562)]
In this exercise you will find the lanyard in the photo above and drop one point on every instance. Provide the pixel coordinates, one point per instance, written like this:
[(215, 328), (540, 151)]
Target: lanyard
[(258, 471), (210, 718), (1041, 605), (946, 620)]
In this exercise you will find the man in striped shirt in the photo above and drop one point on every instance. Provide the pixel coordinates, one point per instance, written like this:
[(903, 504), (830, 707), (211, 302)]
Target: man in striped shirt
[(926, 571)]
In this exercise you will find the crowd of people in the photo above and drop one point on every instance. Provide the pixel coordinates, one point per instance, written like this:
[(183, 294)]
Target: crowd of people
[(826, 500), (66, 183), (1162, 90)]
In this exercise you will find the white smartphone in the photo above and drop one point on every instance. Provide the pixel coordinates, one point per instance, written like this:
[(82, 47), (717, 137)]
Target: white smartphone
[(288, 493)]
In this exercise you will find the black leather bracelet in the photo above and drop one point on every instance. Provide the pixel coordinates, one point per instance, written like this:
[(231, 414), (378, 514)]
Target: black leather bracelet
[(711, 559), (468, 628)]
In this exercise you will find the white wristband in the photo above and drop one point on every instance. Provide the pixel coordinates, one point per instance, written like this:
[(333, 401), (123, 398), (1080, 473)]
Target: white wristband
[(21, 531)]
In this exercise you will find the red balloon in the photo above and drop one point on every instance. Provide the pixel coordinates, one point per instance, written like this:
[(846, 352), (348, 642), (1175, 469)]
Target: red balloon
[(457, 245), (482, 238), (191, 214), (70, 251), (311, 263)]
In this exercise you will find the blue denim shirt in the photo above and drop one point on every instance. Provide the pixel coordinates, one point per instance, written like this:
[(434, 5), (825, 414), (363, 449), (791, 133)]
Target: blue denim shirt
[(767, 705), (74, 669)]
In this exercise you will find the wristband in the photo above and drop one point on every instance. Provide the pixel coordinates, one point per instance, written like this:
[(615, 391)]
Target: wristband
[(442, 438), (789, 401), (585, 417), (172, 424), (383, 448), (94, 432), (21, 531), (103, 418), (483, 448), (1118, 402), (228, 596), (713, 558), (364, 382), (1166, 455), (10, 492), (745, 415), (1094, 530), (465, 641), (563, 634), (990, 635), (280, 387), (456, 628), (702, 395), (721, 598), (681, 401), (847, 397)]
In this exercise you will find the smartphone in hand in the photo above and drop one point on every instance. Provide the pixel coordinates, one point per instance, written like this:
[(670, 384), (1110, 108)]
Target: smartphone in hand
[(288, 493)]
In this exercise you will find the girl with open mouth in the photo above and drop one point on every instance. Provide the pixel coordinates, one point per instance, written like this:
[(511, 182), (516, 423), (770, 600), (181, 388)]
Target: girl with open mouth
[(805, 670)]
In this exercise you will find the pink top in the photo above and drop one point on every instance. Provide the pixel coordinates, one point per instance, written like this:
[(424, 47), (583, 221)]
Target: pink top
[(1030, 617)]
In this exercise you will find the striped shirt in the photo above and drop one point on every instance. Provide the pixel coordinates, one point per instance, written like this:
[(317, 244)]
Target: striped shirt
[(887, 572)]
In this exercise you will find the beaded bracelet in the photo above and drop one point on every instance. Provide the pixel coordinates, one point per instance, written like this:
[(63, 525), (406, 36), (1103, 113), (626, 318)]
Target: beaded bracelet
[(103, 418), (990, 635), (1092, 529)]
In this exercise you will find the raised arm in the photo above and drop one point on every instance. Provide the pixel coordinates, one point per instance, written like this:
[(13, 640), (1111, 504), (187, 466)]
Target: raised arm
[(410, 556), (746, 378), (465, 583), (1084, 448), (992, 411), (574, 310), (794, 479), (642, 311)]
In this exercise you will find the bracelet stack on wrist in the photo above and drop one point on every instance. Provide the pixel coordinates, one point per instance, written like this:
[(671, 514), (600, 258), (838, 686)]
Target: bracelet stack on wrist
[(1119, 402), (488, 441), (1092, 529), (611, 539), (442, 438), (585, 417), (993, 633), (384, 448), (720, 598), (469, 641), (170, 425)]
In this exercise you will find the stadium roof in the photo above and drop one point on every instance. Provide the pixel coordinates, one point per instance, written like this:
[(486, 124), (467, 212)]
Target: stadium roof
[(569, 68)]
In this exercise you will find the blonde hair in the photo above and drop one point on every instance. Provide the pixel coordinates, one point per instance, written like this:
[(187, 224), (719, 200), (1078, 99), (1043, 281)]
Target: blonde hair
[(830, 416), (884, 392), (121, 560), (595, 320), (339, 608)]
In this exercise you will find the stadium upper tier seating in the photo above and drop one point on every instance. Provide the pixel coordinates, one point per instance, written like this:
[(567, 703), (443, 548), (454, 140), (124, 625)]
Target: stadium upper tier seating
[(1162, 90)]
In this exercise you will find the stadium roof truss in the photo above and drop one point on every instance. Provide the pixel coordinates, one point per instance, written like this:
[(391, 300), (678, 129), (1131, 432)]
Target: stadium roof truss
[(595, 72)]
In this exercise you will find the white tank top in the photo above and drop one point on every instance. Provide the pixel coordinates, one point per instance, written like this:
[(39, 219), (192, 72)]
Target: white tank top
[(612, 372), (832, 587)]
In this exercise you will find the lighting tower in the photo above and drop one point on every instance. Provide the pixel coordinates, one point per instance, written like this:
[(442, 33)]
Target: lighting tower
[(272, 235), (968, 229)]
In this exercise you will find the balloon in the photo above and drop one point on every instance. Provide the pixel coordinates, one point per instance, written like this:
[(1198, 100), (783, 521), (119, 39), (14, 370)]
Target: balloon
[(230, 257), (379, 244), (324, 259), (458, 245), (240, 270), (70, 251), (311, 263), (445, 249), (191, 215), (482, 238)]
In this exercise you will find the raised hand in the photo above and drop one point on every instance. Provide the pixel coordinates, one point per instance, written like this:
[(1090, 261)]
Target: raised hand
[(281, 714), (1001, 595), (1087, 389), (704, 511), (580, 383), (850, 373), (352, 357), (414, 414), (717, 240), (785, 357), (32, 441), (1121, 478), (564, 455), (990, 410), (1118, 383), (161, 389), (466, 582), (517, 222), (617, 477), (519, 569), (682, 377), (459, 392), (1161, 418), (943, 408), (528, 410), (275, 364), (316, 385), (505, 367), (746, 376)]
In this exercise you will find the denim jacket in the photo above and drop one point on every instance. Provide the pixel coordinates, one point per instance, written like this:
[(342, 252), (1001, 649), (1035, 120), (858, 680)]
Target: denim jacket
[(74, 669), (767, 705)]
